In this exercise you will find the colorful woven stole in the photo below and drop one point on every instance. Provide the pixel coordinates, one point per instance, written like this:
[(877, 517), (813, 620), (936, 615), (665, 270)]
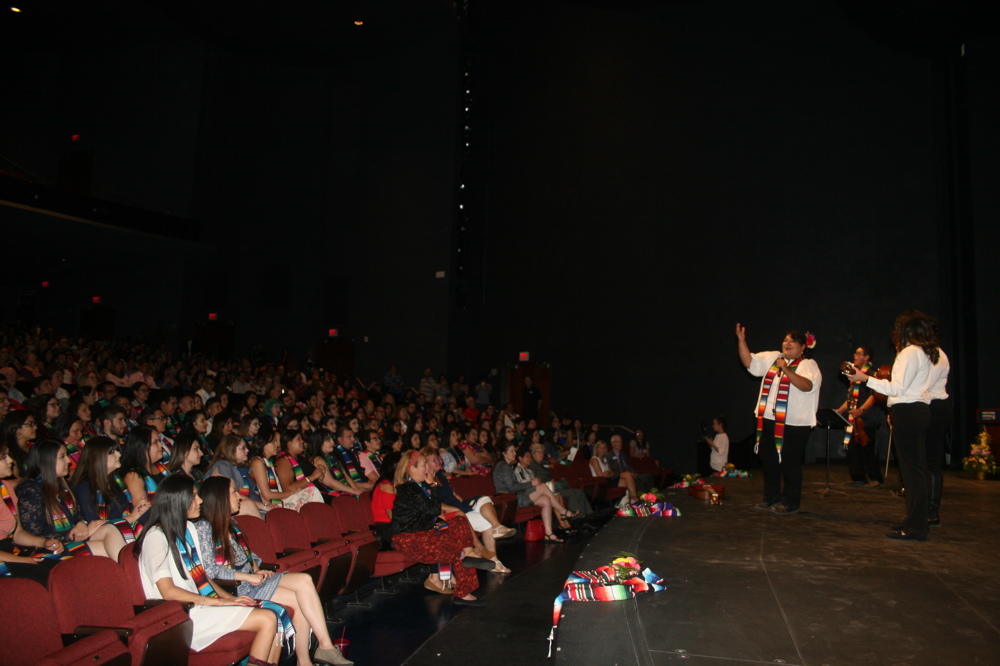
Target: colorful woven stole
[(296, 467), (167, 445), (780, 404), (338, 474), (376, 461), (272, 481), (189, 556), (247, 477), (644, 510), (853, 393), (349, 466), (601, 585), (61, 518), (74, 451), (11, 506), (120, 484)]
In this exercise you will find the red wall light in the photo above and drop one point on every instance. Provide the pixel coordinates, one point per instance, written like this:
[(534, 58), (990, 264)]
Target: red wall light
[(95, 299), (212, 316), (524, 356), (333, 332), (75, 137), (45, 284)]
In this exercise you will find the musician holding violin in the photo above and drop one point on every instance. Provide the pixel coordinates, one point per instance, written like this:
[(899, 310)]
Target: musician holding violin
[(908, 391), (859, 436)]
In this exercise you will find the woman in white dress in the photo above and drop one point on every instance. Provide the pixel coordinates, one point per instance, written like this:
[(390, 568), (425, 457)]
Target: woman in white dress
[(167, 548)]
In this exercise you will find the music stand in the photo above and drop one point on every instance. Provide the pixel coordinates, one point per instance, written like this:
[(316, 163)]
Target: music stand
[(831, 420)]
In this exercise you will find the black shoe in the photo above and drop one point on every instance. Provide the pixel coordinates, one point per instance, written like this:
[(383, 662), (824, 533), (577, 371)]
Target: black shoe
[(903, 536), (854, 484), (899, 493), (765, 506), (934, 522), (783, 510)]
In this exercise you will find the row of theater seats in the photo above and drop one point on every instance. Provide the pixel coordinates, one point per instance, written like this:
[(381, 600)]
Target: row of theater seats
[(333, 543), (99, 606), (577, 475)]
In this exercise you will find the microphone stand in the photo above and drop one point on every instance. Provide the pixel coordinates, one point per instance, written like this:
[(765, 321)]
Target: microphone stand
[(829, 419)]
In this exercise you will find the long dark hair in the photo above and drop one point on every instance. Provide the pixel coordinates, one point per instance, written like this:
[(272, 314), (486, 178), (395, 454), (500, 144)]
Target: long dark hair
[(11, 423), (93, 467), (315, 439), (189, 419), (182, 447), (169, 512), (261, 439), (913, 327), (135, 456), (41, 464), (64, 423), (217, 511)]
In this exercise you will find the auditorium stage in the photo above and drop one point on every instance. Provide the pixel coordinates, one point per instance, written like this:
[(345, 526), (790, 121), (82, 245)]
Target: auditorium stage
[(744, 586)]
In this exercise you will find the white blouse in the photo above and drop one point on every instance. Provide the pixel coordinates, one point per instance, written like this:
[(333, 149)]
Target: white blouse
[(157, 562)]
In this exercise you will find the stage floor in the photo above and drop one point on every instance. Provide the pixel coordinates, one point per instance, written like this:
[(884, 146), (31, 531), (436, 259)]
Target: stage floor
[(748, 587), (821, 587)]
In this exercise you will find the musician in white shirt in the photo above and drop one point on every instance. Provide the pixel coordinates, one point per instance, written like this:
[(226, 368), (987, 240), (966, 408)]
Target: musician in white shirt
[(909, 396)]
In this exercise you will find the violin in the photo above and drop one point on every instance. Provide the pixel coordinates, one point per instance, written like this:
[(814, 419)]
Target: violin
[(883, 372)]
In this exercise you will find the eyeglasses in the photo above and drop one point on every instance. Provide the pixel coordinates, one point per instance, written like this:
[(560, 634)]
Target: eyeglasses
[(31, 423)]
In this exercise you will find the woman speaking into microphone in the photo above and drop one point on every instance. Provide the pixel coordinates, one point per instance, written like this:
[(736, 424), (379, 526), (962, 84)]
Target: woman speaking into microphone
[(786, 412)]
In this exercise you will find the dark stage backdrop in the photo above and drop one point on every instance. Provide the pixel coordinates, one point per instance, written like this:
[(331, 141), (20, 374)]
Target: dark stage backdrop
[(661, 171), (642, 175)]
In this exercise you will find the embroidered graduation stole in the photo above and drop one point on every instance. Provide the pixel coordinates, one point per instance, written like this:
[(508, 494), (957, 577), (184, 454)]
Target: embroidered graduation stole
[(348, 461), (376, 461), (244, 490), (151, 481), (167, 445), (296, 467), (189, 556), (780, 405), (272, 480), (9, 501), (61, 516), (853, 392), (74, 451)]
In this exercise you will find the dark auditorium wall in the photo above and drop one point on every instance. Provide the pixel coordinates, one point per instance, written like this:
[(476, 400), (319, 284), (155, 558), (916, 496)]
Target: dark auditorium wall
[(658, 172), (643, 174)]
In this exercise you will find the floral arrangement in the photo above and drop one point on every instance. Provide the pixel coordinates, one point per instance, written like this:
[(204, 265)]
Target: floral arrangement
[(731, 471), (688, 480), (652, 497), (810, 340), (626, 567), (980, 458)]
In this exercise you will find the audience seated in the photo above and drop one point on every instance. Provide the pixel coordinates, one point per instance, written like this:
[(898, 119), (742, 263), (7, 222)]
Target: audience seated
[(233, 560), (128, 420)]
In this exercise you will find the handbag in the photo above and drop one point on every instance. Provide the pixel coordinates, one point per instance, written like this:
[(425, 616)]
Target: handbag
[(535, 530)]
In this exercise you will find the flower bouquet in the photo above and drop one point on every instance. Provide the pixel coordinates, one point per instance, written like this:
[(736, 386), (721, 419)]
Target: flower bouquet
[(687, 481), (730, 471), (981, 460)]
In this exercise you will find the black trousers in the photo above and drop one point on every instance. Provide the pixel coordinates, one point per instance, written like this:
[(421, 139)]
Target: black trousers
[(862, 461), (941, 417), (910, 421), (789, 468)]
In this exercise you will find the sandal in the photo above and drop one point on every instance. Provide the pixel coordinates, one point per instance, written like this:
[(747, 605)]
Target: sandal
[(500, 568), (570, 514), (505, 534), (552, 538), (444, 589)]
